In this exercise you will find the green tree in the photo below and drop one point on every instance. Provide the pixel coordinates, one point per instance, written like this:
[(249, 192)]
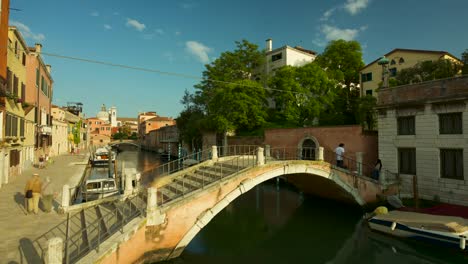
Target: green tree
[(76, 132), (302, 94), (427, 71), (366, 114), (342, 60), (227, 95), (190, 122), (464, 59)]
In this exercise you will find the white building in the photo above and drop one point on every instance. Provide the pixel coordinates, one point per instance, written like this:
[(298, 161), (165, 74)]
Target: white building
[(423, 134), (113, 116), (286, 55)]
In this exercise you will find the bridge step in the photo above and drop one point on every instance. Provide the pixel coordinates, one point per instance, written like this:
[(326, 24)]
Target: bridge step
[(167, 193), (199, 179), (188, 184), (213, 172), (234, 166)]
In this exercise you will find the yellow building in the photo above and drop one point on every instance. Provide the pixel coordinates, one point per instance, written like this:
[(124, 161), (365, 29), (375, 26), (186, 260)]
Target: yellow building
[(371, 74), (15, 125)]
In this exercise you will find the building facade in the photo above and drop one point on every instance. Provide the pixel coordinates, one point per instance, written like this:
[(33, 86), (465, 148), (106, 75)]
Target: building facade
[(286, 55), (39, 93), (423, 134), (399, 59), (60, 143)]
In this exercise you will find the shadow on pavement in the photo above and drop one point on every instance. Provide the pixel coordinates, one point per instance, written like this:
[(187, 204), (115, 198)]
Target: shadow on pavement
[(21, 202), (29, 252)]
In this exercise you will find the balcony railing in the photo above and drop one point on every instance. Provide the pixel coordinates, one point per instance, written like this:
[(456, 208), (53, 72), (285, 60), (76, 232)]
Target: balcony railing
[(45, 130)]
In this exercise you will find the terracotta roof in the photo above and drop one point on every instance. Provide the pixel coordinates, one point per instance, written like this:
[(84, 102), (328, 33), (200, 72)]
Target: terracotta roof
[(127, 119), (441, 52), (160, 118)]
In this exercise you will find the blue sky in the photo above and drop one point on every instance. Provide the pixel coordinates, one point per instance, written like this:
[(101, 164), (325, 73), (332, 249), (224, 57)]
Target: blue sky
[(182, 36)]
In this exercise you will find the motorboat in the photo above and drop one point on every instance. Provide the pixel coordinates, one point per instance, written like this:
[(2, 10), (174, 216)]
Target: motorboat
[(450, 231), (101, 156), (99, 188)]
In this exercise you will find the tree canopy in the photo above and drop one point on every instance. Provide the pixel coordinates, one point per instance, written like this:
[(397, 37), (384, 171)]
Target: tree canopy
[(227, 95), (427, 71), (302, 94), (464, 58), (342, 60)]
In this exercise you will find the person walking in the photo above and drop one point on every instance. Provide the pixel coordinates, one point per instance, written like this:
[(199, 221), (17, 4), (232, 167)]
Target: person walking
[(339, 155), (32, 192), (376, 170), (47, 196), (41, 162)]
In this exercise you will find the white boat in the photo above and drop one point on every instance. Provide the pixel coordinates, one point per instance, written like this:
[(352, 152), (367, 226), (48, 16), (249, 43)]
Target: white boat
[(99, 188), (101, 156), (450, 231)]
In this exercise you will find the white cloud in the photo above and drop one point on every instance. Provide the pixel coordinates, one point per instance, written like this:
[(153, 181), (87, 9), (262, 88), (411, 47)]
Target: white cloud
[(332, 33), (107, 27), (355, 6), (26, 31), (199, 50), (327, 14), (95, 14), (135, 24), (187, 5)]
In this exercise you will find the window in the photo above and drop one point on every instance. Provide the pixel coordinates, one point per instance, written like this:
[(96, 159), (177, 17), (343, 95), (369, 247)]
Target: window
[(450, 123), (366, 77), (11, 126), (15, 85), (9, 80), (368, 92), (451, 164), (392, 62), (38, 77), (277, 56), (393, 72), (16, 49), (24, 59), (406, 125), (22, 128), (407, 161), (23, 92), (401, 60)]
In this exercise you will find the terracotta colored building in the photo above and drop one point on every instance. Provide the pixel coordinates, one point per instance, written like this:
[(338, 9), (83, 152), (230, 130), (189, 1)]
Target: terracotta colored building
[(4, 16), (39, 93)]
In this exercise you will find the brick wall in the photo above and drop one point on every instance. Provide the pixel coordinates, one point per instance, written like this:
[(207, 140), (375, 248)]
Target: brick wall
[(239, 141), (328, 138)]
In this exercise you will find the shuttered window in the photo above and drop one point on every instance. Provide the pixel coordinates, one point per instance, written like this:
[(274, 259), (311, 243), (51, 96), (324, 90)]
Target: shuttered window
[(38, 77), (451, 164), (407, 161), (406, 125), (15, 85), (450, 123)]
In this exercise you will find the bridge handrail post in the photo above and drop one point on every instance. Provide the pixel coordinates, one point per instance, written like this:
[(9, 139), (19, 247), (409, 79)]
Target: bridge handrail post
[(65, 196), (54, 253), (214, 153), (260, 156), (359, 156), (320, 154)]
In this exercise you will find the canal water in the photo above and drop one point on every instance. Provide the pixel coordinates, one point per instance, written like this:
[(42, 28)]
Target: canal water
[(275, 223)]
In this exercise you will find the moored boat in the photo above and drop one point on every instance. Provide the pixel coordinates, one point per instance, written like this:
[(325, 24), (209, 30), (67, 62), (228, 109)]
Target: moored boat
[(101, 156), (450, 231), (99, 188)]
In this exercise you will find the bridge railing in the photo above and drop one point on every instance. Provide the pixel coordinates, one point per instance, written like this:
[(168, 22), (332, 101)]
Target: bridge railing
[(224, 151), (221, 170)]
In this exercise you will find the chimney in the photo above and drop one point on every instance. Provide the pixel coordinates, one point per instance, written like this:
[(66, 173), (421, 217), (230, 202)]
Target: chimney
[(269, 45), (48, 68), (38, 47)]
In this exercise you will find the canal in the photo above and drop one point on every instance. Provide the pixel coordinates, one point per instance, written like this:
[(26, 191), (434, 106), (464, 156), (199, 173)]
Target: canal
[(275, 223)]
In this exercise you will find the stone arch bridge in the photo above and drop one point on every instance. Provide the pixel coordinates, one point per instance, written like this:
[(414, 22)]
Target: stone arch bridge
[(180, 204), (125, 142)]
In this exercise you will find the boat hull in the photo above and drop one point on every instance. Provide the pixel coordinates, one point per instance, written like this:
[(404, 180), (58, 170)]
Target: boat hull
[(447, 239)]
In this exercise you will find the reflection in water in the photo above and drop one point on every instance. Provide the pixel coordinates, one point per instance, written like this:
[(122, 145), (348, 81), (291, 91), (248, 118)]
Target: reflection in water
[(267, 225)]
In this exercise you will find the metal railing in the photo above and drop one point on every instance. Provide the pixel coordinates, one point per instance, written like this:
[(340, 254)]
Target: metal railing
[(89, 235), (207, 175)]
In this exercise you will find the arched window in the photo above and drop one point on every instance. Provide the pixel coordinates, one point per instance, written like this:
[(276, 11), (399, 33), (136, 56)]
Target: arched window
[(308, 149), (401, 61), (392, 62)]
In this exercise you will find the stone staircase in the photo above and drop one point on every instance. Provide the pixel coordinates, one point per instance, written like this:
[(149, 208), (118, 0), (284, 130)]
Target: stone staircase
[(88, 227), (198, 179)]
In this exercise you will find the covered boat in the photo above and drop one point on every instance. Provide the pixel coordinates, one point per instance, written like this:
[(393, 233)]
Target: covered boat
[(450, 231), (101, 156), (99, 188)]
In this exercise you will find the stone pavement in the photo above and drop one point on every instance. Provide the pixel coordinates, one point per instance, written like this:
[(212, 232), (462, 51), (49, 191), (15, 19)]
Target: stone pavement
[(18, 229)]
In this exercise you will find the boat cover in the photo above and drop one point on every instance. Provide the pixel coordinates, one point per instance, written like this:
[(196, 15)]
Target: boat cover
[(439, 223)]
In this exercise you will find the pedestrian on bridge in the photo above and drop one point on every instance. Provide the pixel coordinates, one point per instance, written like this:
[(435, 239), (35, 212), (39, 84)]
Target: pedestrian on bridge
[(47, 196), (339, 155)]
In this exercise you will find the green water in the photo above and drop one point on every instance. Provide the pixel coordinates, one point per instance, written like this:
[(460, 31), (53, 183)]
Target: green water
[(276, 224)]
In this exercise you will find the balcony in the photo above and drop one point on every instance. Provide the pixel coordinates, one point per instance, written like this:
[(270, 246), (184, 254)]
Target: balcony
[(45, 130)]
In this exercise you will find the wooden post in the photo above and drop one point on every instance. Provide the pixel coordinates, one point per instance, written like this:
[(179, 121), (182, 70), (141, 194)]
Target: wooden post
[(415, 192)]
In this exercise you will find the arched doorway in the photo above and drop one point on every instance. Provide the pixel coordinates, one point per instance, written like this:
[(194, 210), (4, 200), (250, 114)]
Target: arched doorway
[(308, 149)]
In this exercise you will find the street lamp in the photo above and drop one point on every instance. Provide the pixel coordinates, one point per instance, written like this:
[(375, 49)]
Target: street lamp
[(384, 62)]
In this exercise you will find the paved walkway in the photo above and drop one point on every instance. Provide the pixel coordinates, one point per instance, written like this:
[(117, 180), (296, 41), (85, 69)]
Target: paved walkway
[(17, 228)]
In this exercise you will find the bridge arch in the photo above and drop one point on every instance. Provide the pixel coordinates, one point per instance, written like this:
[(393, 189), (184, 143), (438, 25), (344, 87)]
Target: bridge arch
[(307, 147), (116, 143), (292, 169)]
